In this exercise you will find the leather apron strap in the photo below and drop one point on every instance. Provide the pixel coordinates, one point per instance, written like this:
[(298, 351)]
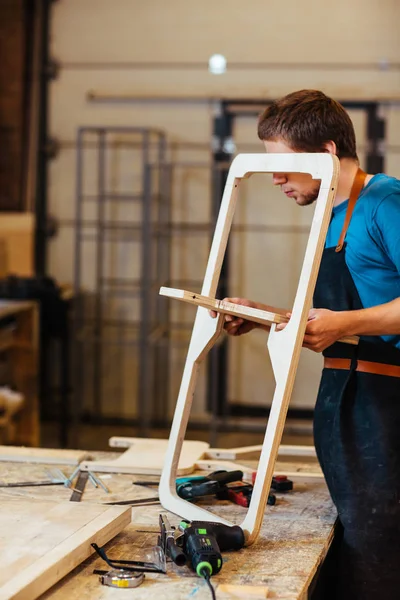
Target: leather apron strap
[(356, 188)]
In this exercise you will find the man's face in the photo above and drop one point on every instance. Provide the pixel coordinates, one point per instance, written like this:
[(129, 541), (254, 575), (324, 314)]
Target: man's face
[(299, 186)]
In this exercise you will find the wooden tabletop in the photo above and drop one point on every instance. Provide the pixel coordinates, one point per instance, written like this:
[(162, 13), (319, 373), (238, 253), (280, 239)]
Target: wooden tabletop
[(294, 539)]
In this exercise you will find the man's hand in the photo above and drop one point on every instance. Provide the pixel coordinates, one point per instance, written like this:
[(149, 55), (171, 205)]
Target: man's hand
[(324, 328), (237, 325)]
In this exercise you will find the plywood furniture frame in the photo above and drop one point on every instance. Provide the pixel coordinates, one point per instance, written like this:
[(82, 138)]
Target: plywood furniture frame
[(284, 346)]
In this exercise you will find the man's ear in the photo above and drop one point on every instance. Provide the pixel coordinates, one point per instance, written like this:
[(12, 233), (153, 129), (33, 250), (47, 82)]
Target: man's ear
[(330, 147)]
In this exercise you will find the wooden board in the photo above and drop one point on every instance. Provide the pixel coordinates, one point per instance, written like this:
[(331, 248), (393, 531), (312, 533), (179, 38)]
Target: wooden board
[(237, 453), (254, 592), (41, 455), (263, 317), (146, 456), (40, 542), (253, 452), (212, 459)]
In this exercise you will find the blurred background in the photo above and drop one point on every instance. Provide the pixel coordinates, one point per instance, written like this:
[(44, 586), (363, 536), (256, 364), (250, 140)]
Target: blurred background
[(118, 123)]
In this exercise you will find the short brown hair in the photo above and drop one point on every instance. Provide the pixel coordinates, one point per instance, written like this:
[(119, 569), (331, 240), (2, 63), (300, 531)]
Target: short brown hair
[(305, 120)]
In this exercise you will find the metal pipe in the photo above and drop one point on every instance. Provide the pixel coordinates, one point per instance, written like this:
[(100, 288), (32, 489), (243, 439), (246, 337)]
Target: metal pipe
[(232, 66), (41, 180)]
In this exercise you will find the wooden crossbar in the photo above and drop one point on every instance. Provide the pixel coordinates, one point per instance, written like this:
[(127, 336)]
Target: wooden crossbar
[(264, 317)]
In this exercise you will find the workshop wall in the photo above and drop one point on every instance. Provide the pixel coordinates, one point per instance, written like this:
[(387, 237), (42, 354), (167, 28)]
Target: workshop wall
[(157, 49)]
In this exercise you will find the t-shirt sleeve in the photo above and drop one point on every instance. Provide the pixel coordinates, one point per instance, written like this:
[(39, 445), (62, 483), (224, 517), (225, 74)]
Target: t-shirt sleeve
[(386, 227)]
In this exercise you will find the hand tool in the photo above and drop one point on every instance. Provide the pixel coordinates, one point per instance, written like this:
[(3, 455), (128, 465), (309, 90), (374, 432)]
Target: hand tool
[(167, 542), (200, 485), (189, 488), (95, 481), (202, 543), (131, 565), (80, 485), (202, 550), (241, 495), (209, 486), (121, 579), (137, 501), (228, 537), (280, 483)]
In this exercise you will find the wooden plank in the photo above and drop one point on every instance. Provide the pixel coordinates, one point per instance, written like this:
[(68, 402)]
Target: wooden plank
[(22, 454), (40, 542), (284, 346), (211, 459), (255, 592), (263, 317), (252, 452), (146, 457)]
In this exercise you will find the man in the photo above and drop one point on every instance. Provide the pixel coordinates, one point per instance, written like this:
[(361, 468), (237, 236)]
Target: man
[(357, 414)]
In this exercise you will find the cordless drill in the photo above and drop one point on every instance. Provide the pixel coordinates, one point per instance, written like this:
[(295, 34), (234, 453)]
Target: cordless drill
[(204, 541)]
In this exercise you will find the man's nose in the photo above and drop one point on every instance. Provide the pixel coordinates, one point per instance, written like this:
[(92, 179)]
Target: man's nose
[(279, 178)]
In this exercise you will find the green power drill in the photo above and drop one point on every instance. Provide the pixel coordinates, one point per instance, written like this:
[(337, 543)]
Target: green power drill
[(203, 543)]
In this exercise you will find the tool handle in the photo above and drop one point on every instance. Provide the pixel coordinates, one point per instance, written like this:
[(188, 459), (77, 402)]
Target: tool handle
[(188, 491), (228, 538), (224, 477)]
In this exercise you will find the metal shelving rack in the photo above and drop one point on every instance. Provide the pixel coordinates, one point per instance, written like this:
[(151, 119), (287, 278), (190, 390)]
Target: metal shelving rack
[(117, 310)]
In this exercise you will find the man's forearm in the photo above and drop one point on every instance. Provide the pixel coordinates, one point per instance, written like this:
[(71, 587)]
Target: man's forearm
[(377, 320)]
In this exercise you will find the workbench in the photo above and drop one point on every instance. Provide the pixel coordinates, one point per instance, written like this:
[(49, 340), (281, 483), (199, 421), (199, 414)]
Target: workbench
[(294, 540), (19, 339)]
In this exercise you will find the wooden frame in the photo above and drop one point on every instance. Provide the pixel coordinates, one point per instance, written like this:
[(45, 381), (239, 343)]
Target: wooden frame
[(284, 346)]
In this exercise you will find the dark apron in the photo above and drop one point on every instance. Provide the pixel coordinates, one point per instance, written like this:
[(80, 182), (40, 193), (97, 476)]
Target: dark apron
[(357, 438)]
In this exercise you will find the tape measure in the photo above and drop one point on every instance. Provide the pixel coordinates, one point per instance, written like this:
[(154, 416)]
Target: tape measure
[(122, 579)]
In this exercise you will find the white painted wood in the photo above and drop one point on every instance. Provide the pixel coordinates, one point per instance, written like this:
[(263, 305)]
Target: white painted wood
[(284, 346)]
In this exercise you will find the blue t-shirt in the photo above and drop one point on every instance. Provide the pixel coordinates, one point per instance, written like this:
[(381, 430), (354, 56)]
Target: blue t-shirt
[(373, 242)]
